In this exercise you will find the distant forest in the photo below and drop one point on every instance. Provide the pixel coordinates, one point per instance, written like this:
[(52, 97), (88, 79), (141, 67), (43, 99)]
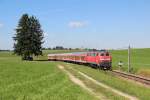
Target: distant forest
[(58, 48), (63, 48)]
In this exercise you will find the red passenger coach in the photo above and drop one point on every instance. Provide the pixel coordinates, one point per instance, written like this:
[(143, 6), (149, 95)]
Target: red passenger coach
[(98, 59)]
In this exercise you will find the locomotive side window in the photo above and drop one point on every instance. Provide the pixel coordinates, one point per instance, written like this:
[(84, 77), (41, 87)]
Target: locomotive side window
[(102, 54)]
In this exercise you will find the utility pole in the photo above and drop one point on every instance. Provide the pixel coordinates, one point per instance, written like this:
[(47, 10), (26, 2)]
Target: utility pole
[(129, 54)]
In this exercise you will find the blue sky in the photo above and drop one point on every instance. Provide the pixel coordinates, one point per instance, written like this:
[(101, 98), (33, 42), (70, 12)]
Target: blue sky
[(81, 23)]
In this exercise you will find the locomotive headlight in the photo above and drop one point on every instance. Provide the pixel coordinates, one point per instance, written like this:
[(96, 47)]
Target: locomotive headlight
[(108, 59)]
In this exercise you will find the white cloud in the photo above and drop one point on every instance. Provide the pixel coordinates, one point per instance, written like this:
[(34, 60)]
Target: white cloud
[(77, 24), (1, 25)]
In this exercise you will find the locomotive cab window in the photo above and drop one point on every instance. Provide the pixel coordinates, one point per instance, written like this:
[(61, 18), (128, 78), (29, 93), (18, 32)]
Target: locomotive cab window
[(97, 54), (107, 54)]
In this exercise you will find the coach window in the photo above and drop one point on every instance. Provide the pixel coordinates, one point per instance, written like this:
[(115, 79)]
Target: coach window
[(93, 54), (90, 54)]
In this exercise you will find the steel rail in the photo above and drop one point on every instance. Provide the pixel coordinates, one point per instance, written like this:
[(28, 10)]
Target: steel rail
[(132, 77)]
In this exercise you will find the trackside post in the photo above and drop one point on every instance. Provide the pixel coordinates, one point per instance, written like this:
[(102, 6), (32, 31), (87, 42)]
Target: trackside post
[(129, 59)]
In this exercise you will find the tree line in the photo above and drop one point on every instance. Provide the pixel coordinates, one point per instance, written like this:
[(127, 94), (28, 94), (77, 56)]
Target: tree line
[(60, 48), (63, 48)]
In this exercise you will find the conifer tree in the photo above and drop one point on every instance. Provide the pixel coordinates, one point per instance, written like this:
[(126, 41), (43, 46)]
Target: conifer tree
[(28, 37)]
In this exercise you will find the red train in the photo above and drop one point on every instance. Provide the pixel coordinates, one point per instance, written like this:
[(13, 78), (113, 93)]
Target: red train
[(98, 59)]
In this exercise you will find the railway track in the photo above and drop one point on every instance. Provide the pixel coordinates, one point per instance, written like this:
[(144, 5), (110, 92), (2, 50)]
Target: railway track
[(137, 78)]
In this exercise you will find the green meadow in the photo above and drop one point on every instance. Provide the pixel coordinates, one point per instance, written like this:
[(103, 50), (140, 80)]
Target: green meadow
[(140, 60), (42, 80), (36, 80)]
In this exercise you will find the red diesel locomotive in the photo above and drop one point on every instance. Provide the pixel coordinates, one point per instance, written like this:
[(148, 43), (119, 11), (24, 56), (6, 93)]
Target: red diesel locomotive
[(98, 59)]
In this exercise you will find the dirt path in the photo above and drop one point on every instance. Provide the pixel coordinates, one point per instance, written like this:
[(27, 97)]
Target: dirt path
[(110, 88), (107, 87), (81, 84)]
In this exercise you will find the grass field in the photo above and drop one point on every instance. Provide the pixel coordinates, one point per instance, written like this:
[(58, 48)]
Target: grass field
[(25, 80), (42, 80), (140, 60)]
